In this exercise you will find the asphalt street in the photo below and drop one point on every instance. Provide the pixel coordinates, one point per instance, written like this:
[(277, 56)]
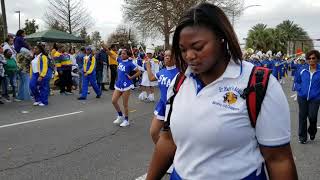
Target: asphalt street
[(76, 140)]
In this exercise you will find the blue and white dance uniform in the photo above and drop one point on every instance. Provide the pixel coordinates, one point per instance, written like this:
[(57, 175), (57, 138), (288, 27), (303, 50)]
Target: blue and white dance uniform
[(123, 83), (164, 77)]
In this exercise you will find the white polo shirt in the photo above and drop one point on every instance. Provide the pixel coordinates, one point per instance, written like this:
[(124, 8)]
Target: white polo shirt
[(212, 130)]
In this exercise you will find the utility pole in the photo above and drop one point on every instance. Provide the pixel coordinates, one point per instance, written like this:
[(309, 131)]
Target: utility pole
[(19, 18), (4, 17)]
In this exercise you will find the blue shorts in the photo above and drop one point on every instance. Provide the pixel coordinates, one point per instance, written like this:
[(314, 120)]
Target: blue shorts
[(252, 176), (160, 110)]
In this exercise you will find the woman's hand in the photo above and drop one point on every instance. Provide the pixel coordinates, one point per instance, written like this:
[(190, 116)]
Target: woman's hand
[(130, 77), (40, 79)]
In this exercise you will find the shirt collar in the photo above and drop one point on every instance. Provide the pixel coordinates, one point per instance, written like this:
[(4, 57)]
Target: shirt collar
[(171, 67), (233, 71)]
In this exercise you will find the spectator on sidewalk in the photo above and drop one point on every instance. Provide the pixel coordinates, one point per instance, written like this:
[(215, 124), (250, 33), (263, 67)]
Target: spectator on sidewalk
[(102, 68), (24, 60), (63, 64), (40, 76), (2, 64), (79, 59), (113, 64), (11, 69), (8, 44), (307, 84), (89, 75), (20, 42)]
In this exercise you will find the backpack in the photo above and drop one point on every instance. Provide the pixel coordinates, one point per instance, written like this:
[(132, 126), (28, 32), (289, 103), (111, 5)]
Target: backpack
[(254, 93)]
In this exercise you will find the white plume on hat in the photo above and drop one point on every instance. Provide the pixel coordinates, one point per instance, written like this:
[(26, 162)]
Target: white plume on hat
[(254, 56), (279, 54), (269, 54), (259, 54), (150, 49)]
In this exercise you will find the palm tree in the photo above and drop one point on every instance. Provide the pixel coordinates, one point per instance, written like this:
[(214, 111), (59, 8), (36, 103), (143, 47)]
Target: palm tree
[(259, 37), (4, 17), (293, 33)]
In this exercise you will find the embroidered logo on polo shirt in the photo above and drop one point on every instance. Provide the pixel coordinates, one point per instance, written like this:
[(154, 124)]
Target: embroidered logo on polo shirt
[(230, 98)]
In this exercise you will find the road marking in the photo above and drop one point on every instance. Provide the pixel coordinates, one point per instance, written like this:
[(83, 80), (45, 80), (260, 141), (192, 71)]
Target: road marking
[(41, 119), (143, 177)]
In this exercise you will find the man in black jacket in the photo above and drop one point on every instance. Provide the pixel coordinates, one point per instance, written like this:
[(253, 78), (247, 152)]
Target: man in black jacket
[(101, 61)]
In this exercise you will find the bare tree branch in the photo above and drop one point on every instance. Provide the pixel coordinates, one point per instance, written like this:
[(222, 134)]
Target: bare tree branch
[(67, 15)]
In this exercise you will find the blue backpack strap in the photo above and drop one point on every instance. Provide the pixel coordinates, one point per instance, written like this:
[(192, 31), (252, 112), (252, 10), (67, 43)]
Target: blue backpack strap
[(177, 84)]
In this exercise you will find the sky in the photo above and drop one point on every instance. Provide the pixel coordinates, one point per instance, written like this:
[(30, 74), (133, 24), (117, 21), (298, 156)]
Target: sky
[(107, 15)]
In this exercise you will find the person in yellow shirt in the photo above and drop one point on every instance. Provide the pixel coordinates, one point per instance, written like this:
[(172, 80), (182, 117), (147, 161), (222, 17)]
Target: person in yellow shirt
[(113, 64)]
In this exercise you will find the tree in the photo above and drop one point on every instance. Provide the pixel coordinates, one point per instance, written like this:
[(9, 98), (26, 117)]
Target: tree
[(121, 36), (84, 35), (4, 19), (96, 38), (294, 36), (30, 26), (69, 15), (57, 26), (161, 16), (278, 39)]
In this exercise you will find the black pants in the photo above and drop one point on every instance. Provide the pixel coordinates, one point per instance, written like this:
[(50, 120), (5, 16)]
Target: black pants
[(307, 109), (113, 71), (65, 80)]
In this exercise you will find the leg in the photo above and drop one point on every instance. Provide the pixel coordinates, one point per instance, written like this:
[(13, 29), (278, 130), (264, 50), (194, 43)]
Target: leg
[(93, 82), (13, 81), (80, 81), (115, 98), (125, 99), (85, 85), (68, 77), (155, 129), (303, 114), (44, 90), (34, 87), (5, 87), (313, 117), (99, 79), (113, 69), (62, 82)]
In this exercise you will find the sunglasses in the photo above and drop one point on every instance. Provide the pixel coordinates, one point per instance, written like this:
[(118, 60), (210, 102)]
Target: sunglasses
[(313, 58)]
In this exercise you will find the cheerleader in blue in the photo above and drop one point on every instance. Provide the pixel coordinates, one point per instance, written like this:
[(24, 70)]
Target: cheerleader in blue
[(123, 86), (164, 78)]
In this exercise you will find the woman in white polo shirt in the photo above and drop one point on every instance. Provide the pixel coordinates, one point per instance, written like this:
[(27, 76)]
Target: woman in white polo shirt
[(210, 137)]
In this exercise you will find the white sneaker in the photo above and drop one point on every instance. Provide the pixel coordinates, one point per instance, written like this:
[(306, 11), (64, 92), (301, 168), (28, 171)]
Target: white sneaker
[(124, 123), (151, 97), (42, 105), (36, 103), (143, 96), (119, 120), (16, 100)]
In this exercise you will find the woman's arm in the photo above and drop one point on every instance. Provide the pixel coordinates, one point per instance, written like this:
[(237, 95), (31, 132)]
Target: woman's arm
[(162, 156), (279, 162), (151, 76), (138, 73)]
